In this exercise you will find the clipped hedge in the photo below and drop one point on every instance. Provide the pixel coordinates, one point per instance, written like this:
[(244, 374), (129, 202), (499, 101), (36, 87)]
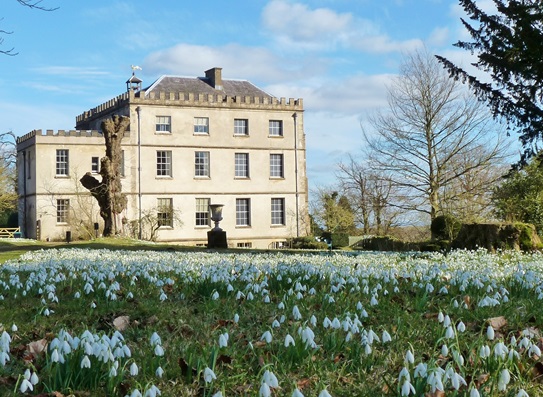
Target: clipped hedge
[(307, 242), (445, 227), (494, 236)]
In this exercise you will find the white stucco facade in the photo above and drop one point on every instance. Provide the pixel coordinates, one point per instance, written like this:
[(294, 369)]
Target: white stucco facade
[(197, 141)]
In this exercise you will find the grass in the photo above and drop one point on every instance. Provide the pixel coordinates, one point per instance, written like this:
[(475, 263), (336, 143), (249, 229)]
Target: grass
[(191, 298)]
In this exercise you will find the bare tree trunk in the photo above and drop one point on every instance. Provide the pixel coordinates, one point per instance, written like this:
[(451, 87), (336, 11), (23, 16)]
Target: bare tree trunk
[(108, 192)]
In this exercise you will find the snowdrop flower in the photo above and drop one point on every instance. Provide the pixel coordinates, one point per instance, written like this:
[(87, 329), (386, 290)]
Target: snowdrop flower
[(440, 317), (159, 351), (113, 371), (484, 351), (34, 379), (236, 318), (223, 340), (134, 370), (136, 393), (218, 394), (386, 337), (265, 390), (159, 372), (215, 296), (313, 320), (420, 370), (297, 393), (534, 350), (446, 321), (281, 306), (276, 324), (444, 351), (326, 322), (522, 393), (449, 332), (407, 388), (367, 349), (4, 357), (267, 336), (474, 393), (500, 350), (270, 379), (336, 324), (404, 373), (55, 357), (209, 375), (505, 377), (461, 327), (93, 305), (296, 313), (153, 391), (26, 385), (289, 341), (14, 328), (374, 301), (85, 362), (324, 393), (155, 339), (490, 332), (409, 358)]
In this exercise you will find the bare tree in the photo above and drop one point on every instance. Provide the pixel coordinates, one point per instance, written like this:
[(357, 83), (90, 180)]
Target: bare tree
[(434, 135), (8, 172), (34, 4), (108, 192), (371, 195)]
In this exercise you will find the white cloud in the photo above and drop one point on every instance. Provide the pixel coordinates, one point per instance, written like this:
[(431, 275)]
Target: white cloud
[(295, 26), (257, 64), (65, 71), (301, 24), (345, 96)]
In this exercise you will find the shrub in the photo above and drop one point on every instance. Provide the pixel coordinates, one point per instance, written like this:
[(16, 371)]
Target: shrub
[(493, 236), (307, 242), (445, 227), (339, 240)]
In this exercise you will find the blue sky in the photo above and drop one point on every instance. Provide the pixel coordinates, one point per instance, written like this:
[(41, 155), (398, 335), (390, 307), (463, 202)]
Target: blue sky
[(338, 55)]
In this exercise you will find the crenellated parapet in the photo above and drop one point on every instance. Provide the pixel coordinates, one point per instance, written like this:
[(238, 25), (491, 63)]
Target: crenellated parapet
[(218, 100), (186, 99), (107, 107), (61, 133)]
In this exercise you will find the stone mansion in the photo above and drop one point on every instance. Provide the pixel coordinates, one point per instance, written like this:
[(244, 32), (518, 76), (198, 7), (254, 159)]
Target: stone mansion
[(192, 142)]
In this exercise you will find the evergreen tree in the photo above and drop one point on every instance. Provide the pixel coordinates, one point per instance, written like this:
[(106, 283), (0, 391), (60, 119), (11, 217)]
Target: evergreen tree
[(508, 45)]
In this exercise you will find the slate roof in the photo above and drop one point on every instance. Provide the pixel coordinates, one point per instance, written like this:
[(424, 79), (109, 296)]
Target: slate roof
[(202, 85)]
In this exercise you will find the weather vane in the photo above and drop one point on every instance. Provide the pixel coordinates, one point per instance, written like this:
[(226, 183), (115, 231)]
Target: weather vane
[(134, 68)]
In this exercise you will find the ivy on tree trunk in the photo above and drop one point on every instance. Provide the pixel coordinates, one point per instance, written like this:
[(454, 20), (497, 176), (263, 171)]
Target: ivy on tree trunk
[(108, 192)]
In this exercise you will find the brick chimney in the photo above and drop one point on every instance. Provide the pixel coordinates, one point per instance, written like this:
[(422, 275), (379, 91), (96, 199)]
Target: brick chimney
[(214, 76)]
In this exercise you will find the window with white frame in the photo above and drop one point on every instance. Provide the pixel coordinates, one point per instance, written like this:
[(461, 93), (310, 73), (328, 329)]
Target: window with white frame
[(201, 164), (63, 209), (163, 124), (276, 165), (62, 162), (276, 128), (241, 127), (95, 165), (201, 125), (242, 165), (243, 212), (202, 212), (245, 244), (278, 211), (165, 212), (164, 163)]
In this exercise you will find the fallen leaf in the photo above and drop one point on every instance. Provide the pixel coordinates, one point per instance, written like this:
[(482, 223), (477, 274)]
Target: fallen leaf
[(481, 380), (303, 383), (121, 323), (224, 359), (185, 368), (467, 300), (497, 322), (537, 370), (437, 393), (37, 347)]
